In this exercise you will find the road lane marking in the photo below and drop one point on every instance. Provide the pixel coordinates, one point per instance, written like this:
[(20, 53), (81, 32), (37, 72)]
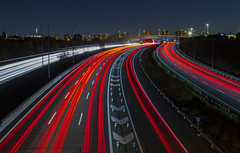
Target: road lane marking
[(100, 68), (96, 74), (80, 119), (76, 82), (67, 95), (52, 118), (117, 108), (83, 73), (220, 90), (123, 140), (194, 76), (120, 121), (87, 95), (93, 82)]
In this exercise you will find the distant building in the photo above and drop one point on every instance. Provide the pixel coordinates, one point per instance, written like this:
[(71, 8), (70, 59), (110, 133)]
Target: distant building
[(67, 37), (231, 36), (165, 32), (33, 36), (15, 37), (202, 33), (148, 33)]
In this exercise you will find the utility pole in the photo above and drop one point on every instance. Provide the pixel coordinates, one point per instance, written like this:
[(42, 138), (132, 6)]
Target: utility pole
[(42, 36), (72, 40), (50, 21), (212, 50)]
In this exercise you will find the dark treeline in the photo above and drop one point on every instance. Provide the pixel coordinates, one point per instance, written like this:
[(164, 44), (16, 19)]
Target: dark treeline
[(29, 46), (226, 52), (17, 48)]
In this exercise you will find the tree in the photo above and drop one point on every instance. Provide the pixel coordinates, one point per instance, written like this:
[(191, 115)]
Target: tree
[(4, 35), (238, 35)]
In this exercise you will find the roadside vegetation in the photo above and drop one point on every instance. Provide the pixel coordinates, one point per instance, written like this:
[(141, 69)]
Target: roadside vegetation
[(217, 122), (226, 52)]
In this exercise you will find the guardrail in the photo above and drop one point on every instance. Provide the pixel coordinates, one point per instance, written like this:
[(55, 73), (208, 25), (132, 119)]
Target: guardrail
[(62, 50), (171, 103), (17, 111), (22, 66), (181, 53)]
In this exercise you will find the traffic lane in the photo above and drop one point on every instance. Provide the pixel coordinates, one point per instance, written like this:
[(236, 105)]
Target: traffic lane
[(18, 70), (183, 132), (74, 139), (229, 89), (88, 94), (94, 139), (168, 138), (217, 94), (203, 69), (148, 138), (44, 105), (42, 131)]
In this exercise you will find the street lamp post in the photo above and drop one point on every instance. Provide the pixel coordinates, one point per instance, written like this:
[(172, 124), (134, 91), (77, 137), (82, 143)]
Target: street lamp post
[(42, 36), (207, 29), (72, 41), (50, 21), (212, 50)]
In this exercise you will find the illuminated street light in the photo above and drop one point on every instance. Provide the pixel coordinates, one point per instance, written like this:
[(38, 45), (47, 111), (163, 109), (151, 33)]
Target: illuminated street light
[(207, 29), (159, 32), (119, 34), (190, 32)]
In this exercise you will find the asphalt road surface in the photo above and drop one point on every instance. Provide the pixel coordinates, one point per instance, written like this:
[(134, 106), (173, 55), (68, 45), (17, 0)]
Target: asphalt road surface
[(106, 104), (222, 89)]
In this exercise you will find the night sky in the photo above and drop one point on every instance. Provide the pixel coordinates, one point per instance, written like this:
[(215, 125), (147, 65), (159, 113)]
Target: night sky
[(109, 16)]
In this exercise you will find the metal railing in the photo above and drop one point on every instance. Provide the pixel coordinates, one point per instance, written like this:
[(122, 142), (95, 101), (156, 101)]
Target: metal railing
[(177, 109), (181, 53)]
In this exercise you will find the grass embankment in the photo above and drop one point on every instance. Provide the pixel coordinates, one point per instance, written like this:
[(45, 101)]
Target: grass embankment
[(216, 123), (226, 52)]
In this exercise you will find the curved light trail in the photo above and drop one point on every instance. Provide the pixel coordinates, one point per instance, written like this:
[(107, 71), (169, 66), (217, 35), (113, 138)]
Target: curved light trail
[(221, 88), (62, 100), (47, 126), (168, 138)]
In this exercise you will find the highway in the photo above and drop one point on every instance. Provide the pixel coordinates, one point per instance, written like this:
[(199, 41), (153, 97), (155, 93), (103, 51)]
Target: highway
[(16, 69), (220, 88), (106, 104)]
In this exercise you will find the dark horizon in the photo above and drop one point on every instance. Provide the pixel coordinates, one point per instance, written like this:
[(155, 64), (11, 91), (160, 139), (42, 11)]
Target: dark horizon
[(97, 17)]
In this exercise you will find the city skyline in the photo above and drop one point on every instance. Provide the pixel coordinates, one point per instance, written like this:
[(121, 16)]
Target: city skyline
[(97, 17)]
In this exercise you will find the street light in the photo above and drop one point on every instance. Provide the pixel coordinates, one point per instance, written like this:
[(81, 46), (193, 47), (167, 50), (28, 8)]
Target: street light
[(72, 40), (42, 36), (207, 29), (50, 21), (159, 32)]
